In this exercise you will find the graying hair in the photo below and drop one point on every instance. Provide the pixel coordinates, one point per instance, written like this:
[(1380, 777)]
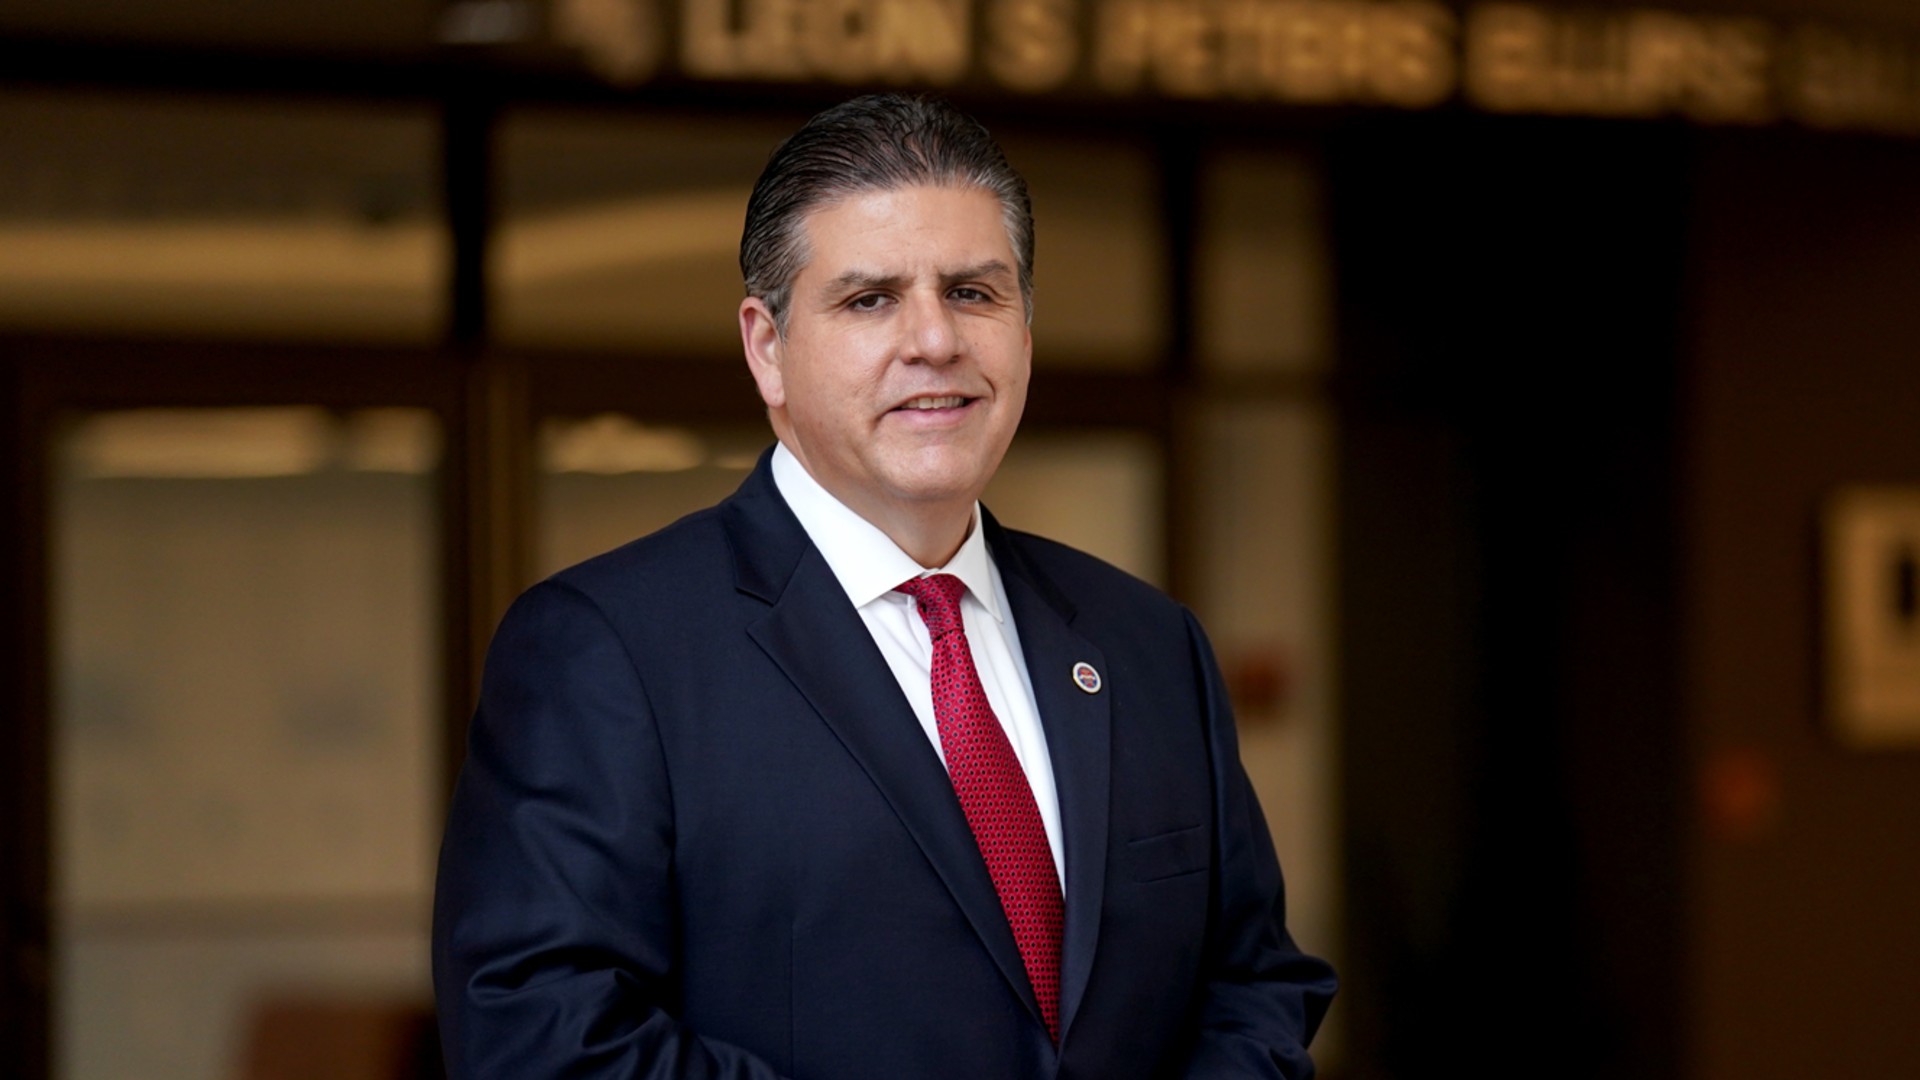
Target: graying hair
[(879, 142)]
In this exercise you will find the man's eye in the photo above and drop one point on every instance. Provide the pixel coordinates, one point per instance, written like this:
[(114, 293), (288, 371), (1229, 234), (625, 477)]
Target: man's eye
[(970, 294), (867, 301)]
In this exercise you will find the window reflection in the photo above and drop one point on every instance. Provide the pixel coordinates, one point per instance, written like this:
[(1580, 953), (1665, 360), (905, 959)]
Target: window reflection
[(244, 732), (219, 216), (1265, 299), (1264, 510), (624, 230), (1100, 281), (1097, 491)]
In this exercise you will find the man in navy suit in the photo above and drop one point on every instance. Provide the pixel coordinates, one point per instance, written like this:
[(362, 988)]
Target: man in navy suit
[(840, 779)]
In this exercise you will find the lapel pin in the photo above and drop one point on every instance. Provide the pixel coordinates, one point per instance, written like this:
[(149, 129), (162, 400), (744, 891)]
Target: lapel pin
[(1086, 678)]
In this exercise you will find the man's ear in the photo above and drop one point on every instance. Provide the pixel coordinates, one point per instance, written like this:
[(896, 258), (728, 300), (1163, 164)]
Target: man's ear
[(760, 340)]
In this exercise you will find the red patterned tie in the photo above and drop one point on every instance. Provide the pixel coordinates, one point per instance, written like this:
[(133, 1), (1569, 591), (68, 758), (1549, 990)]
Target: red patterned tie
[(994, 794)]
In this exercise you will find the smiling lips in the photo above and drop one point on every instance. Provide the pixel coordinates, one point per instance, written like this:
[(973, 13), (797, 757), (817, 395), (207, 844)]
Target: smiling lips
[(950, 402)]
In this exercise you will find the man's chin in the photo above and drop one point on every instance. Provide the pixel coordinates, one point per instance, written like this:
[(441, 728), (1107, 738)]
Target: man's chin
[(921, 494), (934, 472), (931, 496)]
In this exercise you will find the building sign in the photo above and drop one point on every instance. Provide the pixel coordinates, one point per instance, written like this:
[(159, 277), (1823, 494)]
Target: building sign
[(1407, 54)]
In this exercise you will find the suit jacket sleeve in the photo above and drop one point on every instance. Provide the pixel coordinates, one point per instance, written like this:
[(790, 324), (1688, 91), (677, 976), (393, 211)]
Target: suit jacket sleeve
[(1261, 998), (554, 919)]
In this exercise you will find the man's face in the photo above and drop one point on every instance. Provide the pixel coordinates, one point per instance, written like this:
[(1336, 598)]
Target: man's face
[(903, 371)]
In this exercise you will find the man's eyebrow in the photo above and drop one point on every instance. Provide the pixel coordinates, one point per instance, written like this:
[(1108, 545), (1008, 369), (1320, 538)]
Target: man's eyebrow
[(856, 280), (989, 269)]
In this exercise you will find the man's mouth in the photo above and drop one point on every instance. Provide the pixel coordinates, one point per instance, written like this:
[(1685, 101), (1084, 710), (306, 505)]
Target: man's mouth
[(950, 402)]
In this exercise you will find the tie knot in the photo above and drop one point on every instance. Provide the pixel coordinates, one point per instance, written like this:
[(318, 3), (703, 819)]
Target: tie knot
[(939, 601)]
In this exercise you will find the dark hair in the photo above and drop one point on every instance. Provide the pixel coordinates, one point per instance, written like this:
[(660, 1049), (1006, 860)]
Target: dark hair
[(879, 142)]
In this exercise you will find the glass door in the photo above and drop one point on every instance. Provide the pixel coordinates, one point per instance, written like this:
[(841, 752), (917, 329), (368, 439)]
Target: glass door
[(244, 727), (250, 589)]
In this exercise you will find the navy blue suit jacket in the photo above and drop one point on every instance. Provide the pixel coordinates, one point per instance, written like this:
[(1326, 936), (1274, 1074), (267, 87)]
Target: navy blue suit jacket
[(700, 833)]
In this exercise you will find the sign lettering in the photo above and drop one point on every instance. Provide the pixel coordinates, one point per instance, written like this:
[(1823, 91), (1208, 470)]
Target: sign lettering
[(1500, 56)]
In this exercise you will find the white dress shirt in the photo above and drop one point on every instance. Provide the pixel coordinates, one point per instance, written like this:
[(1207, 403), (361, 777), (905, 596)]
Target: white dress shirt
[(868, 565)]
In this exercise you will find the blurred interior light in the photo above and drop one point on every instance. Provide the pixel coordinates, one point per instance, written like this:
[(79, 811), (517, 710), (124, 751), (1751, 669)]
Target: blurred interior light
[(262, 253), (131, 214), (487, 22), (611, 444), (203, 443), (391, 441), (350, 254), (615, 234), (236, 443)]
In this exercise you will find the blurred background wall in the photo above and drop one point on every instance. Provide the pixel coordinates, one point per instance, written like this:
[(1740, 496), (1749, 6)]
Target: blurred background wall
[(1523, 394)]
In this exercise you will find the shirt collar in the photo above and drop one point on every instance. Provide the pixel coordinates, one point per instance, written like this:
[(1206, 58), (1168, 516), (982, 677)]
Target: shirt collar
[(866, 562)]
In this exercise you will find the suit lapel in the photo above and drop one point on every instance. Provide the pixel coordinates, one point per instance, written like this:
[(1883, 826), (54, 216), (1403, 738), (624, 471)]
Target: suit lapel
[(1079, 741), (814, 635)]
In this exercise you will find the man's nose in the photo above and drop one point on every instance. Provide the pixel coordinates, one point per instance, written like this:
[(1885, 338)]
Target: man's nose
[(932, 335)]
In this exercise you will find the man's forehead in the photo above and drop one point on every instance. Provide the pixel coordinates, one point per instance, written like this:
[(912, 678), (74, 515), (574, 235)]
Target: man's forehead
[(940, 229)]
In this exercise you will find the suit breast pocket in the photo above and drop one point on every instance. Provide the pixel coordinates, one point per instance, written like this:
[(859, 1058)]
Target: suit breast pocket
[(1174, 853)]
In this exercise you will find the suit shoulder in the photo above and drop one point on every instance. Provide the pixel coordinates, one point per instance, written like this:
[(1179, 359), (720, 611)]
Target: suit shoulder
[(692, 549)]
